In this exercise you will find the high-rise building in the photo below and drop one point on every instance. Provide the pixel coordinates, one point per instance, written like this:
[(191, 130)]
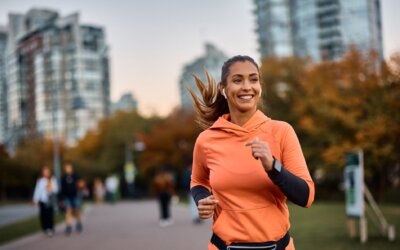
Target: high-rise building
[(212, 61), (57, 76), (3, 85), (320, 29), (127, 102)]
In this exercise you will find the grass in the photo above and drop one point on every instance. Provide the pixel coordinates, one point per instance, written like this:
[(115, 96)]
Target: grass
[(323, 226), (22, 228)]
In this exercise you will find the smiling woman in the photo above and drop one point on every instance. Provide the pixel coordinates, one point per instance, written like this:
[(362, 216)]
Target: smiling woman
[(245, 165)]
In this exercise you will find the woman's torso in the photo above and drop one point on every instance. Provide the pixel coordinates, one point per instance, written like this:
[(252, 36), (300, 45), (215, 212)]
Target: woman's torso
[(251, 208)]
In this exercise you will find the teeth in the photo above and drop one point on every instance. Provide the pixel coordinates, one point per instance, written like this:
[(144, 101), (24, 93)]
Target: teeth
[(245, 97)]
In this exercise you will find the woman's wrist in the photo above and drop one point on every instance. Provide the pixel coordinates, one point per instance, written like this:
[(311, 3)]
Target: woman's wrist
[(269, 164)]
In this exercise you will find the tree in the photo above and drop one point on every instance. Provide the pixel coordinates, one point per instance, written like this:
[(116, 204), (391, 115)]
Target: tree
[(341, 106), (102, 151), (170, 142)]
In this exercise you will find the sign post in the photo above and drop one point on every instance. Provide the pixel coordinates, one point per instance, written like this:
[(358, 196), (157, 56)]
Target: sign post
[(356, 191), (354, 186)]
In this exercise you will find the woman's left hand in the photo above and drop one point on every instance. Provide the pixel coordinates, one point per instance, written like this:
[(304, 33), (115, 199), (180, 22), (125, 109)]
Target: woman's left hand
[(261, 150)]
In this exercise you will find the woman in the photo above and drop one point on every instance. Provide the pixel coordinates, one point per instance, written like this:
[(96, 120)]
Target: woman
[(164, 188), (98, 190), (45, 194), (245, 165)]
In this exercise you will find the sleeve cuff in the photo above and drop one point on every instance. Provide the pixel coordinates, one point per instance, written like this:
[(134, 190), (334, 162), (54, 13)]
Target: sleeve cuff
[(199, 192)]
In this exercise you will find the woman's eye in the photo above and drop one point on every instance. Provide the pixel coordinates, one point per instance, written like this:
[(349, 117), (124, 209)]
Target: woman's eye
[(237, 80), (254, 80)]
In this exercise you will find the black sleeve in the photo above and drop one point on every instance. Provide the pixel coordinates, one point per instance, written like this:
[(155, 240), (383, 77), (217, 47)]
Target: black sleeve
[(77, 177), (199, 192), (61, 193), (295, 188)]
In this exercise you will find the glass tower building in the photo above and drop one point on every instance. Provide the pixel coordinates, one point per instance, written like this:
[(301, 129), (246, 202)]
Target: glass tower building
[(320, 29), (212, 61), (58, 76)]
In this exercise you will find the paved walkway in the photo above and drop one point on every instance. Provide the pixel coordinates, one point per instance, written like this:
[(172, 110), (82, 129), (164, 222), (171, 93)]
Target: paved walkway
[(127, 225), (13, 213)]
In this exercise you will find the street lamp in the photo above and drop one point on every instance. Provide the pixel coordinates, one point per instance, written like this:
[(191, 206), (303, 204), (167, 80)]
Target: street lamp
[(57, 171), (130, 169)]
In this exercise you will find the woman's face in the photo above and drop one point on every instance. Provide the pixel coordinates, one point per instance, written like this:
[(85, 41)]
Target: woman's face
[(46, 172), (242, 87)]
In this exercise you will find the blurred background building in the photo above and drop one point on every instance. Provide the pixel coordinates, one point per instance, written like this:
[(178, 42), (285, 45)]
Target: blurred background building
[(321, 29), (56, 68), (210, 61), (3, 85), (127, 102)]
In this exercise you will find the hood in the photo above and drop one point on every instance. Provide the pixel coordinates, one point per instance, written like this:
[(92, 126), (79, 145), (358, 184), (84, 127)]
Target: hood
[(223, 123)]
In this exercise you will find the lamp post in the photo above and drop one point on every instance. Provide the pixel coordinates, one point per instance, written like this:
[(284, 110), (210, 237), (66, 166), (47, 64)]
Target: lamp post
[(130, 169), (56, 149)]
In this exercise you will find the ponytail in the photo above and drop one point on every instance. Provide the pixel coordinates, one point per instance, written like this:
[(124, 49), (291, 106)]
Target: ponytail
[(211, 105)]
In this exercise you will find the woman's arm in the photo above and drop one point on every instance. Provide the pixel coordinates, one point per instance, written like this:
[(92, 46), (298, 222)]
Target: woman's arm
[(295, 188), (199, 182), (292, 175), (199, 192), (36, 193)]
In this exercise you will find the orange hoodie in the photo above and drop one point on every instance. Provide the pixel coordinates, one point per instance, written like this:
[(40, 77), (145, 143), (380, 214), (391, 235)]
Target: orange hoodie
[(251, 207)]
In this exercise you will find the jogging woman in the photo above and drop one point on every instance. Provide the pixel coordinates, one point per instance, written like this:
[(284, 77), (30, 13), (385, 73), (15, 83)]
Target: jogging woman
[(245, 165)]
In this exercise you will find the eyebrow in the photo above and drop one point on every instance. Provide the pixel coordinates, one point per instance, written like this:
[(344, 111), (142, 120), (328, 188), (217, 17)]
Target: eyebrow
[(240, 75)]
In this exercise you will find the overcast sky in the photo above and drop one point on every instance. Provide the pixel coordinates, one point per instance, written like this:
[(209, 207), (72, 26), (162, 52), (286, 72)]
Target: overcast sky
[(151, 40)]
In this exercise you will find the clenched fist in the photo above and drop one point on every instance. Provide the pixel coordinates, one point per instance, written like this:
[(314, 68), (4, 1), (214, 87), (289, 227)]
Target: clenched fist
[(206, 207), (261, 150)]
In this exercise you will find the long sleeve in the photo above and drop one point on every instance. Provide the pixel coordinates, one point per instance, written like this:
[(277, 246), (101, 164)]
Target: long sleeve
[(62, 188), (294, 179), (200, 180), (36, 193)]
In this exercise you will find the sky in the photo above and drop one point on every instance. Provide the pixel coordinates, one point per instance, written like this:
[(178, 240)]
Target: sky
[(151, 40)]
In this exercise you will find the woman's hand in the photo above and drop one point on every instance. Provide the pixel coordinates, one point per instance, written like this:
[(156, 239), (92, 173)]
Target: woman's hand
[(261, 150), (206, 207)]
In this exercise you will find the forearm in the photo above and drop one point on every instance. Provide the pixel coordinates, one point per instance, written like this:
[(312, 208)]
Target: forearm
[(295, 188), (199, 192)]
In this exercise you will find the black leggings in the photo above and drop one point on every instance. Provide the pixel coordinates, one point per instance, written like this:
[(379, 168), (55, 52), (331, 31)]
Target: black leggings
[(46, 213), (165, 201)]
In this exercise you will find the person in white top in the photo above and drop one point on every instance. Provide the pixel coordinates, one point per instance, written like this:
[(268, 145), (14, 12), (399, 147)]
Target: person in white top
[(111, 188), (45, 196)]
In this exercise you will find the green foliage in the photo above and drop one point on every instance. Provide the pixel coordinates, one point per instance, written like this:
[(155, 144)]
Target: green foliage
[(21, 171), (102, 150), (168, 142)]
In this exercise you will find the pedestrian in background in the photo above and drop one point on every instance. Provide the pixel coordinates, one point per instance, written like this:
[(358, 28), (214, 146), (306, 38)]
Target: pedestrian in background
[(245, 165), (112, 185), (45, 196), (98, 191), (164, 188), (71, 198)]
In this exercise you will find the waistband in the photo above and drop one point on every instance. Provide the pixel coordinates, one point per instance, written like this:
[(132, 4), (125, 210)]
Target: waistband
[(269, 245)]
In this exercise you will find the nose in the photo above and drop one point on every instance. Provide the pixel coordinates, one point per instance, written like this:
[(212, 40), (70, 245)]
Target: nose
[(246, 85)]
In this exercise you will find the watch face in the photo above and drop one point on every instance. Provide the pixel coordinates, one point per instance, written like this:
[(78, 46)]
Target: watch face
[(278, 166)]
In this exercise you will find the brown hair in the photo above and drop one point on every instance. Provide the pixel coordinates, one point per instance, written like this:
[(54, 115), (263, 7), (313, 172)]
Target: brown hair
[(211, 105)]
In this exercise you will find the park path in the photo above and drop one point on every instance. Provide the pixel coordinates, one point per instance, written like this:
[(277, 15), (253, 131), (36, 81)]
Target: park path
[(125, 225)]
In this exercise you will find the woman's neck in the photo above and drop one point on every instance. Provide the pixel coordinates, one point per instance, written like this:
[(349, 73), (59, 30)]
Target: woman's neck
[(240, 118)]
